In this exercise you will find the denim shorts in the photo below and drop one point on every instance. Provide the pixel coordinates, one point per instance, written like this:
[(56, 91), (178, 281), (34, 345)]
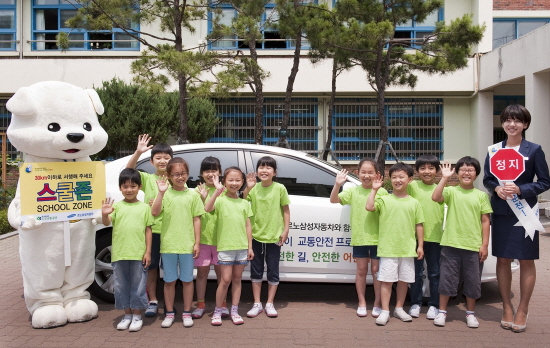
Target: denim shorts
[(233, 257), (170, 263), (363, 251), (130, 284)]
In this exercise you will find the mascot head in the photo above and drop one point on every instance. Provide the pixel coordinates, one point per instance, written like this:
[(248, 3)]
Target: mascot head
[(55, 119)]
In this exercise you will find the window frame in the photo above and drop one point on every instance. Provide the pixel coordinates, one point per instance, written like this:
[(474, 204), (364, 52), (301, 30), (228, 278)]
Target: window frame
[(86, 34), (10, 31), (516, 22)]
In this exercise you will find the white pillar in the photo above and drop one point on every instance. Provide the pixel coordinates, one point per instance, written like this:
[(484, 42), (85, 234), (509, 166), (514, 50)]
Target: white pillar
[(481, 135), (537, 101)]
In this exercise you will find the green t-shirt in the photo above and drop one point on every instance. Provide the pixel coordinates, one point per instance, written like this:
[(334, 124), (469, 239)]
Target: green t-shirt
[(433, 211), (267, 222), (364, 223), (231, 215), (150, 189), (398, 219), (463, 225), (129, 222), (208, 222), (178, 210)]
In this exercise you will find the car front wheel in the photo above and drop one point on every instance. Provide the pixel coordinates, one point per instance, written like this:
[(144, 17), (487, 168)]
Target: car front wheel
[(103, 285)]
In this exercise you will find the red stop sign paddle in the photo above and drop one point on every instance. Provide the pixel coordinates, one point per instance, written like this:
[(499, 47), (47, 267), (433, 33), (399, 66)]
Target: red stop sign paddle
[(507, 164)]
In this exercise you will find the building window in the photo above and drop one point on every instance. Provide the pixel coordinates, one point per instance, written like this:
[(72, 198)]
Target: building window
[(271, 37), (237, 125), (49, 18), (506, 30), (417, 31), (415, 128), (7, 25)]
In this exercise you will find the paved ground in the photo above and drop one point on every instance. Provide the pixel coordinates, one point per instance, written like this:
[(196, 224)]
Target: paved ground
[(309, 315)]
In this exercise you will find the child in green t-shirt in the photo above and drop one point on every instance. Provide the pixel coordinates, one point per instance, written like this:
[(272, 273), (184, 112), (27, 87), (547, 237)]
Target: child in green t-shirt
[(180, 235), (427, 167), (160, 155), (233, 237), (210, 166), (131, 248), (465, 241), (400, 239), (270, 226), (364, 230)]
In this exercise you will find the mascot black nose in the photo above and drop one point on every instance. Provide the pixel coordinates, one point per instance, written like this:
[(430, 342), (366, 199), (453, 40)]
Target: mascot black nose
[(75, 137)]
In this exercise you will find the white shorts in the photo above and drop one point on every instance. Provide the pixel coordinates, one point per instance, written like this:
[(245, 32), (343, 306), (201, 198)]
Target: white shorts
[(394, 269)]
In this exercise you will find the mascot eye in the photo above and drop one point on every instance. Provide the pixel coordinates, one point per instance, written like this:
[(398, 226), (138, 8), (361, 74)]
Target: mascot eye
[(54, 127), (87, 127)]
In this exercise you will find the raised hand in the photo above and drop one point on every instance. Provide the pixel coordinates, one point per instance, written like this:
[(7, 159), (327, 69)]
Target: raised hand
[(250, 180), (202, 190), (217, 183), (107, 206), (341, 177), (378, 182), (446, 170), (162, 183), (143, 143)]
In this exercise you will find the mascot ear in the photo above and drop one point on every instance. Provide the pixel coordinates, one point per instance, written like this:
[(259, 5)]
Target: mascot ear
[(98, 106), (22, 103)]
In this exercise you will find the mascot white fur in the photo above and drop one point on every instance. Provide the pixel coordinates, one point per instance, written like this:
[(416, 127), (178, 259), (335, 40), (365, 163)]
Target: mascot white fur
[(54, 122)]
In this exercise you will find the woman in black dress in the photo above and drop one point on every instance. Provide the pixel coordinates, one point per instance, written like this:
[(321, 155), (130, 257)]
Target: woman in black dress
[(509, 241)]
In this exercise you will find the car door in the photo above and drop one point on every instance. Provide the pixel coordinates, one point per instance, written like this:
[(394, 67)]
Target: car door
[(318, 247)]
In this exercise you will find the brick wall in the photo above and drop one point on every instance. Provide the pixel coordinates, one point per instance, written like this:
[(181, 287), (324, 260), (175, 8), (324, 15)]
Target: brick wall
[(525, 5)]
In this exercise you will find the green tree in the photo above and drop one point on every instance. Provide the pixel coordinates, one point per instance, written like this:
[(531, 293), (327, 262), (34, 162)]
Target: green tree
[(133, 109), (247, 26), (368, 32), (203, 119), (165, 58)]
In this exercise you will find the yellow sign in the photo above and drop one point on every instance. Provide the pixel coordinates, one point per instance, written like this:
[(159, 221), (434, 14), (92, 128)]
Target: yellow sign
[(61, 191)]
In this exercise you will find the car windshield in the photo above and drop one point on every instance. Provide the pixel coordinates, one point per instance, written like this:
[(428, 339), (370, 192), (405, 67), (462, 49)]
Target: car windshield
[(331, 164)]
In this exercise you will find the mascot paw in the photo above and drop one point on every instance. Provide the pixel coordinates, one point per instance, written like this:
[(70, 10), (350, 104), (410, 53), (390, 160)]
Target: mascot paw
[(81, 310), (31, 224), (49, 316)]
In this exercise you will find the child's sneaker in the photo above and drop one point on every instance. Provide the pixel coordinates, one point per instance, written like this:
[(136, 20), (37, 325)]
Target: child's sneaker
[(124, 324), (225, 312), (152, 309), (400, 313), (197, 313), (383, 318), (236, 319), (187, 320), (414, 311), (255, 311), (432, 313), (440, 319), (168, 320), (471, 321), (361, 311), (376, 312), (270, 310), (217, 319), (136, 324)]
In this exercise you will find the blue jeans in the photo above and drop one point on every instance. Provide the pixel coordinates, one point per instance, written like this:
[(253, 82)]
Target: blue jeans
[(271, 253), (432, 252), (130, 281)]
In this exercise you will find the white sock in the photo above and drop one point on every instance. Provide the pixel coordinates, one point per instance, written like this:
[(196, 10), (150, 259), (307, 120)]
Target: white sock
[(136, 317), (128, 316)]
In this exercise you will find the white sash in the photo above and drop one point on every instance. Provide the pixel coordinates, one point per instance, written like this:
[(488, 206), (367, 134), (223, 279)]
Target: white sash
[(528, 217)]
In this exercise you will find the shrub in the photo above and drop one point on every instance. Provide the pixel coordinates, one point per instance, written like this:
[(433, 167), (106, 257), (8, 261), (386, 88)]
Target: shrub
[(5, 226)]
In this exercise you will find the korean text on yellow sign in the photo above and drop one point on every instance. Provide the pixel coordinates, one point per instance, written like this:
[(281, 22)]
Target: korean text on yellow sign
[(61, 191)]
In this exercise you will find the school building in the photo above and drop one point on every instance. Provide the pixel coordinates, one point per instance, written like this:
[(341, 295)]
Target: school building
[(449, 116)]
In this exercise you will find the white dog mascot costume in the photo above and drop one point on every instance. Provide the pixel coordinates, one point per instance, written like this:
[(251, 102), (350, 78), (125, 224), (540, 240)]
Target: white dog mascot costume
[(55, 122)]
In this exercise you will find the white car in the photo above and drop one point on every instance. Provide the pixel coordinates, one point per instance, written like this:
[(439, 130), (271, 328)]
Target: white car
[(318, 248)]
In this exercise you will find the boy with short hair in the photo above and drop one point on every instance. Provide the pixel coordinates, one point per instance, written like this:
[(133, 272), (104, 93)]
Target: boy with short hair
[(131, 249), (160, 155), (401, 217), (466, 237), (427, 167)]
